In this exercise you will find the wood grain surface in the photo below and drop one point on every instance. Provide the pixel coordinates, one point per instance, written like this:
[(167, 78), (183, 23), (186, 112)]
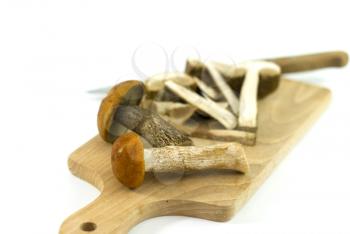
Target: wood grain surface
[(284, 117)]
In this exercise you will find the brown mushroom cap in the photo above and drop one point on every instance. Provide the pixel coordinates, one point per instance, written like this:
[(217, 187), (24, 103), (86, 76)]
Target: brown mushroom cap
[(126, 93), (128, 162)]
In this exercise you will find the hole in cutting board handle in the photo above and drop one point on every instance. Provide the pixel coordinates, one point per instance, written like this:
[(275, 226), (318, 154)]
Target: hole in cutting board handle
[(88, 226)]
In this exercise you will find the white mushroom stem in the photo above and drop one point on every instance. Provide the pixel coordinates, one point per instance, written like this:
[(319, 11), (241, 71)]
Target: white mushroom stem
[(179, 112), (156, 83), (222, 104), (229, 156), (206, 89), (248, 108), (202, 130), (225, 89), (167, 108), (225, 117), (243, 137)]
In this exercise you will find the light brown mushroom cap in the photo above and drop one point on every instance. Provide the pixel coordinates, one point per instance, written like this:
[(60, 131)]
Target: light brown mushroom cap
[(128, 162), (126, 93)]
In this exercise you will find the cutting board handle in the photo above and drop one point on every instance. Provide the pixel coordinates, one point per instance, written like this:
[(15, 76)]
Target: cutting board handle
[(117, 213), (311, 61), (107, 214)]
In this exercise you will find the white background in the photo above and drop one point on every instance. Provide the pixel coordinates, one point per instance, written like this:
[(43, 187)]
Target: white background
[(53, 52)]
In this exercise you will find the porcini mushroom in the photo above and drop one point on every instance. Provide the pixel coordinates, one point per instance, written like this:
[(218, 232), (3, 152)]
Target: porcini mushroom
[(119, 111), (248, 106), (130, 160)]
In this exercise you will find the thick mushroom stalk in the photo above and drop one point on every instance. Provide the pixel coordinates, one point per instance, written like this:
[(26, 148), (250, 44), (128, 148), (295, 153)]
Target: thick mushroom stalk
[(248, 108), (229, 156), (119, 111), (130, 160)]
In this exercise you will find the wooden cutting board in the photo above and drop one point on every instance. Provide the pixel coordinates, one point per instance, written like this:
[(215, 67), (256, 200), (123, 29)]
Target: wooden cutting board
[(284, 117)]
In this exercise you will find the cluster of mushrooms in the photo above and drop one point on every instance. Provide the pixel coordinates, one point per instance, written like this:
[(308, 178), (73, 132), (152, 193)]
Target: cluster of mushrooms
[(209, 100), (212, 101)]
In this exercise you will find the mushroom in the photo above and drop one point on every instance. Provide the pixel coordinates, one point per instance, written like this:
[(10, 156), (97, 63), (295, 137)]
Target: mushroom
[(130, 160), (223, 104), (178, 112), (155, 88), (269, 80), (119, 111), (248, 107), (225, 89), (207, 90), (225, 117), (200, 130)]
